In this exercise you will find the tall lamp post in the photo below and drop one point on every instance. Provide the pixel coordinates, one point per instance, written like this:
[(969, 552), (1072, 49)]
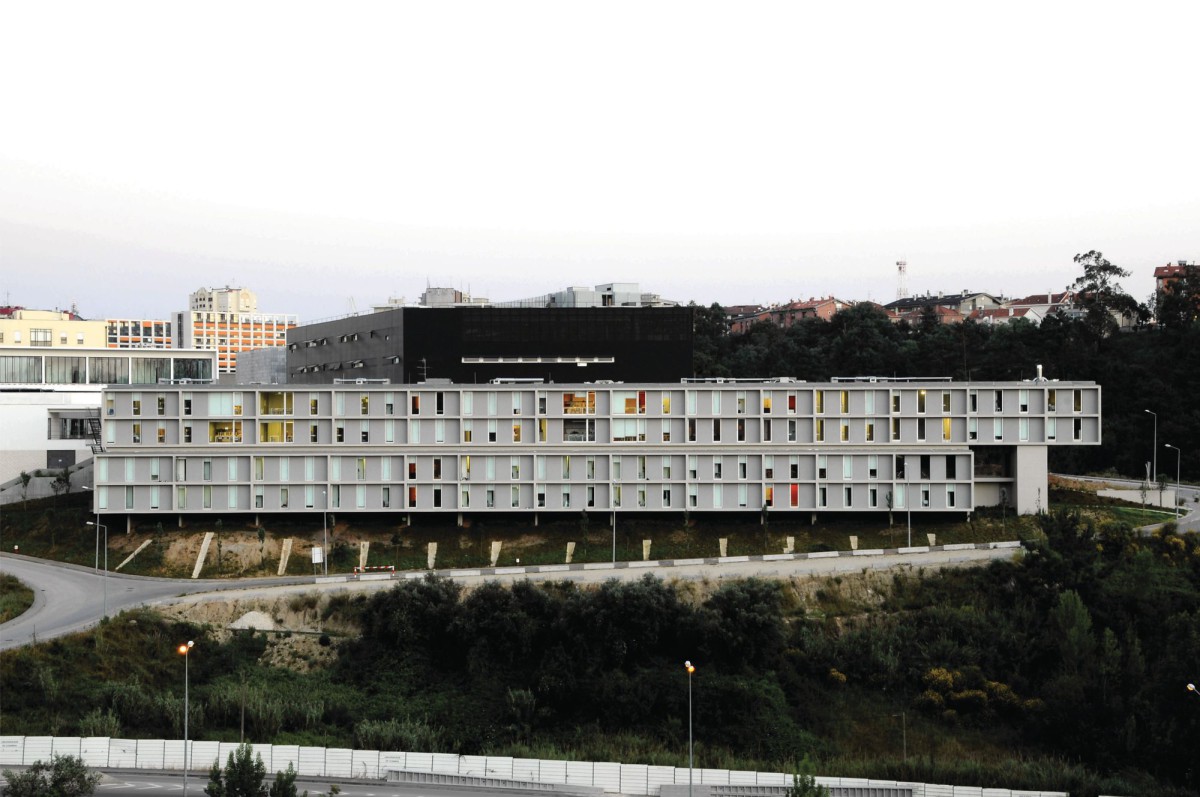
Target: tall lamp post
[(183, 651), (325, 529), (1178, 457), (690, 671), (105, 579), (1154, 458), (612, 499)]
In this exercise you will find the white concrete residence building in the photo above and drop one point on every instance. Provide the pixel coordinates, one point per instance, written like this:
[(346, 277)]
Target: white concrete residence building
[(849, 445)]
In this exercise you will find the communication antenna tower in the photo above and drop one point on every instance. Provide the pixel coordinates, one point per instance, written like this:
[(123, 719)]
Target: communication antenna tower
[(901, 279)]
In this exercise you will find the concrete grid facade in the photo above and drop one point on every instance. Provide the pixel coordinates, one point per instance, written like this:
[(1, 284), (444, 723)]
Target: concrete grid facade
[(704, 446)]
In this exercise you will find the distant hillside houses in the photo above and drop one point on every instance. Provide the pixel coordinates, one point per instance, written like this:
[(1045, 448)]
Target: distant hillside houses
[(945, 308)]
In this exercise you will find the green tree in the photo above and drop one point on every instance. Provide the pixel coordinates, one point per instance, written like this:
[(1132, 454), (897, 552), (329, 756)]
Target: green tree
[(285, 783), (64, 776), (25, 478), (803, 782), (1100, 296), (243, 775), (62, 482), (1178, 303)]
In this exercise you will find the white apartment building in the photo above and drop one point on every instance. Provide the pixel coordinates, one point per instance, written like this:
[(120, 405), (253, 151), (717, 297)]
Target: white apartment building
[(701, 446), (227, 320)]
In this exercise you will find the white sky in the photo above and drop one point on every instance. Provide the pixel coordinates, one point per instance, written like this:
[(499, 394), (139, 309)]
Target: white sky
[(748, 152)]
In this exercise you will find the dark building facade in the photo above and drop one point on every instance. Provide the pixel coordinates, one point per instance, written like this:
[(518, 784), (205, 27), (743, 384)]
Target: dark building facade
[(477, 344)]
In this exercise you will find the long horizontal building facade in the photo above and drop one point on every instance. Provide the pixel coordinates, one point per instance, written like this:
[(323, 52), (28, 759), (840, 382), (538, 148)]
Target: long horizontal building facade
[(701, 446)]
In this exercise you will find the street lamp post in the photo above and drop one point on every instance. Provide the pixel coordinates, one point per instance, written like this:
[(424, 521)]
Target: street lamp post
[(1154, 457), (325, 529), (908, 501), (1192, 689), (612, 499), (183, 651), (1178, 457), (105, 578), (690, 670)]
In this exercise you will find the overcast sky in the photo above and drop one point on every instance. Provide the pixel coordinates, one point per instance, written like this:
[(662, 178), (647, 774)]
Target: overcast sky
[(333, 154)]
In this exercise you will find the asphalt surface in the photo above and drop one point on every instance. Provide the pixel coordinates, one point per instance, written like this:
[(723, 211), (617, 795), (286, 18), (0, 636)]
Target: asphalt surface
[(1189, 519), (70, 598)]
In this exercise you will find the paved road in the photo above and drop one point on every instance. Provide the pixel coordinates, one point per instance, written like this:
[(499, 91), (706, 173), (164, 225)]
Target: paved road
[(68, 598), (122, 783), (1190, 493)]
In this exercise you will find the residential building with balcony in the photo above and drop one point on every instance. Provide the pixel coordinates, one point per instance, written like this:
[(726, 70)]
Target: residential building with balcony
[(713, 446), (138, 333)]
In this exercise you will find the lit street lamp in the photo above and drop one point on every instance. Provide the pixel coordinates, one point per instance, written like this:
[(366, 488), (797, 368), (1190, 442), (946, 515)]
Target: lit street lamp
[(1178, 457), (690, 670), (183, 651), (1154, 475), (1192, 689), (98, 527)]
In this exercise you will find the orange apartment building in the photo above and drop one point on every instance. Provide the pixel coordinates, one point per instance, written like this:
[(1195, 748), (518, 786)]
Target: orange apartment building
[(227, 320)]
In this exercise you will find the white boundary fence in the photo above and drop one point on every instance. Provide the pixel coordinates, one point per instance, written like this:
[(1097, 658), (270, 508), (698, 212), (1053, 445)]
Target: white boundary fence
[(337, 762)]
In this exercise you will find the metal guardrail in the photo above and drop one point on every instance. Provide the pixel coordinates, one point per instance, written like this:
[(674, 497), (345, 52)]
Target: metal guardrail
[(439, 779)]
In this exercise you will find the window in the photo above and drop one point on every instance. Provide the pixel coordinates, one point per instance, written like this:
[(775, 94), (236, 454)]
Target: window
[(819, 401), (439, 403), (844, 431), (137, 403), (666, 431), (516, 403), (741, 430), (514, 467), (437, 497), (385, 499), (137, 433), (822, 497), (693, 496), (945, 430), (998, 398), (766, 403), (973, 401), (466, 430), (339, 431), (895, 402), (822, 467), (844, 401), (187, 404), (794, 467), (870, 432), (1023, 400), (1051, 429), (207, 469), (920, 401), (364, 404), (766, 430), (641, 467), (873, 497), (819, 430), (945, 401), (516, 431), (1077, 402), (1077, 430), (693, 469), (187, 433), (847, 468), (743, 493), (743, 467), (162, 433), (161, 401), (869, 397), (389, 403), (998, 428), (718, 498), (768, 467), (514, 496), (741, 402), (716, 402), (312, 403), (468, 403), (900, 462), (360, 468), (895, 430), (1023, 429), (691, 430), (951, 467), (666, 403), (924, 495), (666, 497), (791, 431), (690, 400), (925, 464), (716, 469), (972, 428), (415, 404), (258, 497), (950, 500), (666, 467), (492, 429), (716, 430), (1051, 399), (847, 496)]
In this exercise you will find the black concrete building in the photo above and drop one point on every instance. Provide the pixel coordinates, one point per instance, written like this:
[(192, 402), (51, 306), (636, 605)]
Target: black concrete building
[(478, 344)]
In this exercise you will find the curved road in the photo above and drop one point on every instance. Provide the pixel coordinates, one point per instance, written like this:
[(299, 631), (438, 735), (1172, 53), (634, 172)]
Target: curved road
[(68, 598)]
